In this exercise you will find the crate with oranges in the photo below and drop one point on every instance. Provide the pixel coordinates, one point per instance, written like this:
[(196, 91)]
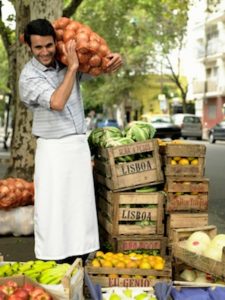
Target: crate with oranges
[(133, 269), (184, 159), (187, 193)]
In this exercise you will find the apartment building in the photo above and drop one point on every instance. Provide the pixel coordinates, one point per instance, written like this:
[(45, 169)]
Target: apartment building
[(206, 58)]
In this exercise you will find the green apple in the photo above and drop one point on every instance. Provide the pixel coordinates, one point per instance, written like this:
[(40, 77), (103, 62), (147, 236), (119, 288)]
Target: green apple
[(114, 296), (141, 296), (128, 293)]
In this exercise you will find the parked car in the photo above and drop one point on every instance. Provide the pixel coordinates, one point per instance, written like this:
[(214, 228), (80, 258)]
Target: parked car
[(190, 124), (165, 127), (217, 132), (107, 122)]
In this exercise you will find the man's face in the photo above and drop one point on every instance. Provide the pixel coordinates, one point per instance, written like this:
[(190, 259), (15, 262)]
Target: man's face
[(43, 49)]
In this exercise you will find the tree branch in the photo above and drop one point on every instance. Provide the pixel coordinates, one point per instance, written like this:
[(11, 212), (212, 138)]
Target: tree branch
[(71, 8)]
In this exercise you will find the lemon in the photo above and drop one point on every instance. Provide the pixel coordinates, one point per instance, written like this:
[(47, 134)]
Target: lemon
[(194, 162), (183, 162), (99, 253), (177, 158), (173, 162), (95, 263), (107, 264)]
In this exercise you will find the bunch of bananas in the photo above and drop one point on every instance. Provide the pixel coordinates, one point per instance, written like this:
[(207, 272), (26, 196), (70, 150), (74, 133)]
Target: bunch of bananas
[(43, 272)]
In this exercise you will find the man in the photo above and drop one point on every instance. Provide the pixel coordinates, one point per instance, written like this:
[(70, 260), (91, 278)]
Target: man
[(65, 221)]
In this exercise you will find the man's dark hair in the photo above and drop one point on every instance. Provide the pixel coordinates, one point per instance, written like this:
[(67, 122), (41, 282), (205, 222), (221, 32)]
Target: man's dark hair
[(38, 27)]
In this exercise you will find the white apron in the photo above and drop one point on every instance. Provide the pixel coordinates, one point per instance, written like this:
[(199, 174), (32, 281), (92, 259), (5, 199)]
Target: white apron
[(65, 219)]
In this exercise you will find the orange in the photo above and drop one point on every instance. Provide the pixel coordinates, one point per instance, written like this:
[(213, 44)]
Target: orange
[(99, 253), (107, 263), (120, 265), (176, 158), (125, 276), (131, 264), (113, 276), (145, 265), (159, 266)]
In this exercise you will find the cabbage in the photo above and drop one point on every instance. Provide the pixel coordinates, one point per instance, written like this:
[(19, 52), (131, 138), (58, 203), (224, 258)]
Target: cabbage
[(198, 242), (188, 275), (200, 236)]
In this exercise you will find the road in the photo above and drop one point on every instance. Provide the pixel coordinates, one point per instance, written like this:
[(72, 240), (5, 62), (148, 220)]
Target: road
[(215, 171)]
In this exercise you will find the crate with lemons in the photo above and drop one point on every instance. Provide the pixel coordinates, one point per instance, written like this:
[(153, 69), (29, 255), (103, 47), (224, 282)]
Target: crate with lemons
[(183, 159), (110, 269)]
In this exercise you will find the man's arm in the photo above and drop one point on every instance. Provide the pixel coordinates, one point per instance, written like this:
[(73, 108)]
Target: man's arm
[(62, 93)]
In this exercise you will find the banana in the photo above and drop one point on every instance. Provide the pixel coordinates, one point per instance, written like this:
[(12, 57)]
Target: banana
[(15, 267), (44, 266), (5, 270), (26, 266), (54, 279)]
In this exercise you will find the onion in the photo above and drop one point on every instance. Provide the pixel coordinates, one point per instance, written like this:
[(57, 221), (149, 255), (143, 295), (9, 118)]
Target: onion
[(94, 45), (4, 190), (68, 35), (95, 61), (95, 71), (82, 37), (95, 37), (83, 57), (84, 68), (59, 34), (73, 25), (104, 50), (104, 63), (83, 47), (63, 22), (60, 47)]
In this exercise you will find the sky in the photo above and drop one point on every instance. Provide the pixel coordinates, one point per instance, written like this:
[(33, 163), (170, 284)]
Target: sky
[(7, 9)]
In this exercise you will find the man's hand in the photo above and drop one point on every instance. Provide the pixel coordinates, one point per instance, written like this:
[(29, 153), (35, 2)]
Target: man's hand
[(71, 55), (115, 62)]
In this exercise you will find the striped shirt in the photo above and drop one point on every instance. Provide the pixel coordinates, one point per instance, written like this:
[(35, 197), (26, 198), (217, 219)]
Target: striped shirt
[(36, 86)]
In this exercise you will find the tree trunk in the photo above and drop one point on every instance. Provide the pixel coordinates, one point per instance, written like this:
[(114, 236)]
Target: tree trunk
[(23, 143)]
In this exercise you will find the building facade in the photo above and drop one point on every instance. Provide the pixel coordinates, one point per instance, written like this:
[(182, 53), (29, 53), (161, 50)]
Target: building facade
[(206, 44)]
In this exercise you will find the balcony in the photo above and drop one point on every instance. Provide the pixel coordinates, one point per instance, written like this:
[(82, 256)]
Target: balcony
[(209, 87), (215, 48)]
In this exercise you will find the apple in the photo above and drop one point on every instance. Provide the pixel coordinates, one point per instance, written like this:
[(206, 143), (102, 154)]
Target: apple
[(43, 296), (14, 297), (2, 296), (22, 293), (7, 290), (28, 287), (12, 283)]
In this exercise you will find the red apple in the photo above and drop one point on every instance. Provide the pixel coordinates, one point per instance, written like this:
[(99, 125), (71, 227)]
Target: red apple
[(12, 284), (7, 290), (28, 287), (37, 291), (14, 297), (43, 296), (2, 296), (21, 293)]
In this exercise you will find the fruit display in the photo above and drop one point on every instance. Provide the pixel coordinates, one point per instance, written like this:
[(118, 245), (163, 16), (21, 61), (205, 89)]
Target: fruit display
[(15, 192), (128, 261), (184, 161), (129, 294), (200, 243), (11, 290), (92, 49), (43, 272)]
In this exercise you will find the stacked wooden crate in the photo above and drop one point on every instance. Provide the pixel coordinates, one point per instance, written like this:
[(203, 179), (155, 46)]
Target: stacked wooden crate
[(130, 219), (187, 190)]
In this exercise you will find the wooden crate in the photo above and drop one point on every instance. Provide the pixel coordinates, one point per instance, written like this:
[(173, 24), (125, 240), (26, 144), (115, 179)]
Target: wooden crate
[(134, 277), (194, 260), (185, 150), (184, 220), (128, 175), (150, 244), (130, 213), (187, 194)]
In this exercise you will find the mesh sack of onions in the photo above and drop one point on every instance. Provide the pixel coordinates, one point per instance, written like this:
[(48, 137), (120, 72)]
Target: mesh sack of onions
[(15, 192), (92, 50)]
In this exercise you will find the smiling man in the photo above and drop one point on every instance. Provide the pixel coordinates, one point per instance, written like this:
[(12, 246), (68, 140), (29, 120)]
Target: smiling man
[(65, 221)]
